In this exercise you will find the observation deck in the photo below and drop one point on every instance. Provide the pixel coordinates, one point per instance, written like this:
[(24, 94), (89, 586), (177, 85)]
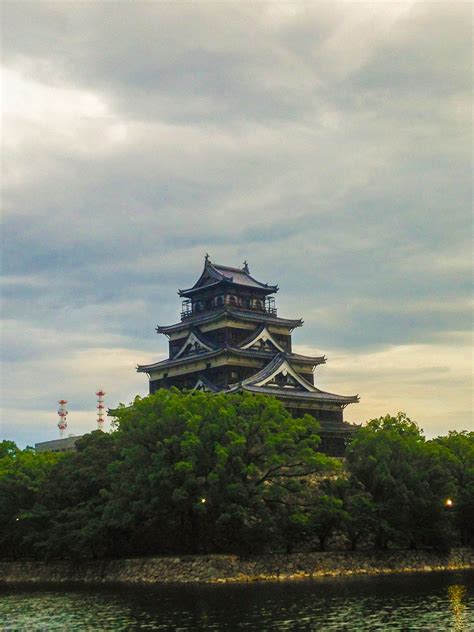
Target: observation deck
[(266, 306)]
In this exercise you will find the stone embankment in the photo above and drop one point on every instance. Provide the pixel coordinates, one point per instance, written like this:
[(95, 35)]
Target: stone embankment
[(231, 568)]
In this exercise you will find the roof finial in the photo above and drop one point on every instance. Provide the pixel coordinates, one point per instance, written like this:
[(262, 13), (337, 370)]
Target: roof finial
[(246, 267), (206, 258)]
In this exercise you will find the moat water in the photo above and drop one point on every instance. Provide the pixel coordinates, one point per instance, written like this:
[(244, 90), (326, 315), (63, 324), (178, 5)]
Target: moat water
[(420, 601)]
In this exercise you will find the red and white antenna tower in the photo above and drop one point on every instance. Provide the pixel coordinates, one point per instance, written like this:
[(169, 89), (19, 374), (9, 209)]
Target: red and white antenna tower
[(100, 409), (62, 412)]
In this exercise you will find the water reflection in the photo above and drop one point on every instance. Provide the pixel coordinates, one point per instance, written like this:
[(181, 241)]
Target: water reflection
[(428, 602), (457, 594)]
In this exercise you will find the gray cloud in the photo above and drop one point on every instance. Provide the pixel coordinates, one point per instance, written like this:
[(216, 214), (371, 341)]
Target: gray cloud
[(325, 143)]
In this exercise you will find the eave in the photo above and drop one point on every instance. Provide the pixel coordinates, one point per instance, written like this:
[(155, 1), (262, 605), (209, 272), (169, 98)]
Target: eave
[(194, 290), (267, 356), (260, 383), (236, 314), (146, 368), (225, 274), (316, 396)]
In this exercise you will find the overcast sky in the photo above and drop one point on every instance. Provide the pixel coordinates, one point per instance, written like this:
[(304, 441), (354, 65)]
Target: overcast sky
[(327, 144)]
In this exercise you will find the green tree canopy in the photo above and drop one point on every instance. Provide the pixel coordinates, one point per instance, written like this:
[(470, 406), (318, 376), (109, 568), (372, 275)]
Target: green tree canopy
[(458, 457), (22, 475), (406, 480), (200, 471), (67, 517)]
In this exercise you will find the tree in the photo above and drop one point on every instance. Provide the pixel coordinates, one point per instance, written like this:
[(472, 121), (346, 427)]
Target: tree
[(458, 458), (8, 449), (202, 471), (359, 519), (67, 519), (22, 475), (405, 479), (326, 516)]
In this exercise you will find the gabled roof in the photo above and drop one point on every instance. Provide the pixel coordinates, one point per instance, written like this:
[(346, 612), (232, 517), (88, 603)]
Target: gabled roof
[(261, 382), (278, 365), (262, 334), (195, 338), (214, 274), (203, 384), (236, 314)]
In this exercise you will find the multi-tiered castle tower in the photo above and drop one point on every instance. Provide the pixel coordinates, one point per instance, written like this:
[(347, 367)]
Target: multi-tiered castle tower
[(230, 339)]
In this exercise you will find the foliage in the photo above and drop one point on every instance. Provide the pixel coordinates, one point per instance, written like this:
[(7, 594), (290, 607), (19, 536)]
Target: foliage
[(22, 475), (359, 518), (406, 480), (326, 515), (67, 518), (214, 470), (458, 457), (201, 472)]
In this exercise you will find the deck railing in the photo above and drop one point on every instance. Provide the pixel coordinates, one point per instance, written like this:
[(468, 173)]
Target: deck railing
[(189, 310)]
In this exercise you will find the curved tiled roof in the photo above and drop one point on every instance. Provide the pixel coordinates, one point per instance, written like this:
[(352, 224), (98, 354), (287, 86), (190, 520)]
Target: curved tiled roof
[(214, 274), (145, 368), (310, 391), (249, 353), (255, 335), (238, 314), (317, 395)]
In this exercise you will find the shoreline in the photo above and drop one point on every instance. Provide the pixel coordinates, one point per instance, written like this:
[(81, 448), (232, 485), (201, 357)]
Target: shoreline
[(220, 569)]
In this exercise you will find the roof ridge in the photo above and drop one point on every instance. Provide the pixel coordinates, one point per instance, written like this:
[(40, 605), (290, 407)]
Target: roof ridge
[(207, 382), (278, 359), (218, 265), (253, 334), (201, 336)]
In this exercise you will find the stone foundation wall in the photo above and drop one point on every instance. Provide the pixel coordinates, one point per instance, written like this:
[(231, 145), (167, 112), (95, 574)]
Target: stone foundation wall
[(230, 568)]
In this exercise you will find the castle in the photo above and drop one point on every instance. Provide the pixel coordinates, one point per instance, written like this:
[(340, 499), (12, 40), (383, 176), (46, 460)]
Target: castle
[(230, 339)]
